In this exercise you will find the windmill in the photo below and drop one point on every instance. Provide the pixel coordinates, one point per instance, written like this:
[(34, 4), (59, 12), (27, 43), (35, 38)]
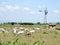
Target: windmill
[(45, 15)]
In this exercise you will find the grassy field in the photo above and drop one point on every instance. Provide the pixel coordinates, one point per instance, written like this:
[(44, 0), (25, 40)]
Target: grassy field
[(41, 37)]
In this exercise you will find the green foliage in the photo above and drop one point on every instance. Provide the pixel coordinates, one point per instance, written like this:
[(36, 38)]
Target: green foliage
[(23, 44), (58, 23), (43, 43), (12, 23), (38, 23), (0, 43), (39, 43), (36, 43), (26, 23)]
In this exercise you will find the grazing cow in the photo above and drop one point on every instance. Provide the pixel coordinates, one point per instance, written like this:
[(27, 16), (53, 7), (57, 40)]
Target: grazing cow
[(28, 33), (3, 30), (20, 32), (26, 29), (36, 28), (15, 30), (51, 26), (22, 28), (32, 31)]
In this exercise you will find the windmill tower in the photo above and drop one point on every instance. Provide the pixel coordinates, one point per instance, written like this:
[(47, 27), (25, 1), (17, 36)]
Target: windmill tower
[(45, 15)]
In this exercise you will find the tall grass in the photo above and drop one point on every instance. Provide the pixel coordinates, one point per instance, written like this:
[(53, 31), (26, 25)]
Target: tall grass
[(38, 38), (39, 43), (16, 43)]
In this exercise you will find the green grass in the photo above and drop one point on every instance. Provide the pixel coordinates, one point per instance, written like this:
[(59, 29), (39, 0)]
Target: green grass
[(41, 37)]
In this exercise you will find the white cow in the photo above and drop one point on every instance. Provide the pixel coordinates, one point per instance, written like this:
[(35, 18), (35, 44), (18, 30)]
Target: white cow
[(15, 30), (20, 32), (36, 28), (22, 28), (3, 30), (32, 31), (26, 29)]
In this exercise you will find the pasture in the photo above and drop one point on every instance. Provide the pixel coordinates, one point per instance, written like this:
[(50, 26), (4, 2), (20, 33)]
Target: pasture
[(40, 37)]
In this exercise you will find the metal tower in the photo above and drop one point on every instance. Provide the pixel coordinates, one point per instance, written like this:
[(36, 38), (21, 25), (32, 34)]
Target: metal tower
[(45, 15)]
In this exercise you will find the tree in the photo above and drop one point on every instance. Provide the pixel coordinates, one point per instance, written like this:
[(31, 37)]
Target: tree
[(38, 23), (57, 23)]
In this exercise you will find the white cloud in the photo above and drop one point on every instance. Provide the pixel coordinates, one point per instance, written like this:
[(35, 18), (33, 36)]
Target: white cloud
[(26, 8), (55, 11), (32, 12), (10, 7)]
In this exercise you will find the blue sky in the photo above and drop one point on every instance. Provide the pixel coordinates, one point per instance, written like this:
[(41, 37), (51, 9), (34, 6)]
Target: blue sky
[(28, 10)]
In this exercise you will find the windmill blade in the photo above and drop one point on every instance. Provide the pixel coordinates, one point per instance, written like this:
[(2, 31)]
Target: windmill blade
[(45, 11), (40, 10)]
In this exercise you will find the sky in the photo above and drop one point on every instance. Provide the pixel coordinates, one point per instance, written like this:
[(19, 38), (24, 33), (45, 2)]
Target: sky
[(28, 10)]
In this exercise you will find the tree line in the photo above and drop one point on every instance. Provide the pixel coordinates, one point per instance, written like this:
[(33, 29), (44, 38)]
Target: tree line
[(27, 23), (23, 23)]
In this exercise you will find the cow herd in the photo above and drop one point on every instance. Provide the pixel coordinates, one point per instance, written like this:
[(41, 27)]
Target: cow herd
[(20, 30), (24, 30)]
